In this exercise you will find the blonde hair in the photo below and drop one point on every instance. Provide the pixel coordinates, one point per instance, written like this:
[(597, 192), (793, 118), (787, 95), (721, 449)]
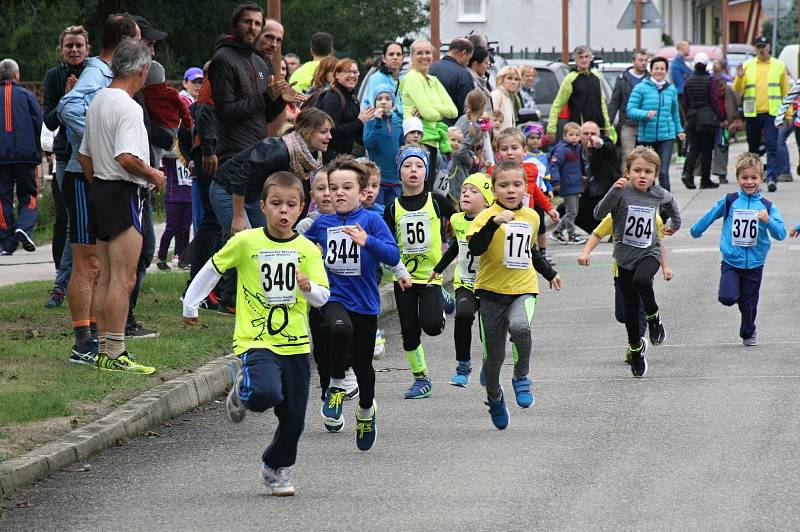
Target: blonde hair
[(372, 168), (475, 104), (749, 160), (74, 30), (505, 72), (642, 152), (570, 126), (511, 132)]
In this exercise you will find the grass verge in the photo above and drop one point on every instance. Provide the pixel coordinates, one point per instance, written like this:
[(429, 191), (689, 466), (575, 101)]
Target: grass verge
[(42, 396)]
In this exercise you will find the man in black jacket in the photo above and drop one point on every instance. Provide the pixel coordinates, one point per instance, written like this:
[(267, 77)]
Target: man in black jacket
[(627, 129), (452, 72), (246, 97)]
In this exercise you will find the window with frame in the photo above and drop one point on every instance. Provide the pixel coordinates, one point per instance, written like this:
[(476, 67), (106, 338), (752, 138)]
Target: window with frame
[(471, 10)]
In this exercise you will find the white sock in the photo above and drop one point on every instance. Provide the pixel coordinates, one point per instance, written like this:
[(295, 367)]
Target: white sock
[(365, 413), (337, 383)]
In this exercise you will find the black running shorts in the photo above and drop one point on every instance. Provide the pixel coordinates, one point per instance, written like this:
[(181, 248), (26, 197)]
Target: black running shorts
[(115, 206)]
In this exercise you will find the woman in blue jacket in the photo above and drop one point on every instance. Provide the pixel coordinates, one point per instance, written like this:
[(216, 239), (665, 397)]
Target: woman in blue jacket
[(654, 104)]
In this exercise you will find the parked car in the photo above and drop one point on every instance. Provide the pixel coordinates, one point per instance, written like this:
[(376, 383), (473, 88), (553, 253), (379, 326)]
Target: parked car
[(612, 71)]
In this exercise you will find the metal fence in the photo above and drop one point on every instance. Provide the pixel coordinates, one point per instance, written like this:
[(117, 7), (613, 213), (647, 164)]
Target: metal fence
[(607, 56)]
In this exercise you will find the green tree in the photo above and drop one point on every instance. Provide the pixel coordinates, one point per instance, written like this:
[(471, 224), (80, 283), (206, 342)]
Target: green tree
[(787, 30), (30, 28)]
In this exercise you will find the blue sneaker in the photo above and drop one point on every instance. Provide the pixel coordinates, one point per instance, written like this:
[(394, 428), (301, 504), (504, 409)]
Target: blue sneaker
[(498, 412), (449, 301), (421, 389), (332, 405), (461, 378), (482, 378), (366, 431), (522, 391)]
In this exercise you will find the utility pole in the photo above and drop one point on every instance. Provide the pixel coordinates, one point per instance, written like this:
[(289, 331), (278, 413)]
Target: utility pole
[(638, 24), (436, 39), (588, 23), (565, 31), (725, 29)]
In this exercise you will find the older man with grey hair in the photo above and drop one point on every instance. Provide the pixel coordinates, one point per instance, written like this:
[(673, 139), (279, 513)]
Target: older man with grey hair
[(114, 155), (20, 153), (581, 92)]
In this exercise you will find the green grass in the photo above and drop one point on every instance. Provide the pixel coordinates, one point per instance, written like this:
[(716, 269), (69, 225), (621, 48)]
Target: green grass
[(36, 381)]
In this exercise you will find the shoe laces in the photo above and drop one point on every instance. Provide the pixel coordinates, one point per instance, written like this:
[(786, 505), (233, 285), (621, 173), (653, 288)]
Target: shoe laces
[(363, 426), (463, 368), (336, 398)]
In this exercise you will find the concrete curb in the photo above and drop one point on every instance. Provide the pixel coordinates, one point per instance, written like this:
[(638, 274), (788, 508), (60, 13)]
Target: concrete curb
[(142, 413)]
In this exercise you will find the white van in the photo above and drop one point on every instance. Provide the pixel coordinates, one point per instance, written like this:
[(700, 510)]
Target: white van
[(789, 56)]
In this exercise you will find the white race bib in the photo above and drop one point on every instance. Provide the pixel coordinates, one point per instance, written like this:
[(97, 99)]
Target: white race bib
[(639, 226), (278, 275), (467, 264), (415, 229), (184, 176), (749, 106), (442, 183), (517, 245), (343, 256), (744, 229)]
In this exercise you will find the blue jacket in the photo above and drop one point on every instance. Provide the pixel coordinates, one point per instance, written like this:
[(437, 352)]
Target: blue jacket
[(565, 168), (737, 256), (680, 72), (382, 137), (358, 293), (72, 108), (666, 124), (20, 125)]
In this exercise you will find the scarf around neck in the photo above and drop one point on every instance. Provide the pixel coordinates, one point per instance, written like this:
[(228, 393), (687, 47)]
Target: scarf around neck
[(659, 84), (301, 160)]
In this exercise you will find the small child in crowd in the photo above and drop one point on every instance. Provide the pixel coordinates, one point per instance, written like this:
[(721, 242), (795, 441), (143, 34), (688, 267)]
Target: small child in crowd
[(471, 154), (373, 188), (748, 221), (507, 285), (412, 131), (382, 139), (566, 173), (178, 204), (165, 106), (534, 133), (633, 202), (476, 195), (279, 274)]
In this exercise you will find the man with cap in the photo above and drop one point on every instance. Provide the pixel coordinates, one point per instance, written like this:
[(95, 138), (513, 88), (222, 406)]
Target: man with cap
[(763, 82)]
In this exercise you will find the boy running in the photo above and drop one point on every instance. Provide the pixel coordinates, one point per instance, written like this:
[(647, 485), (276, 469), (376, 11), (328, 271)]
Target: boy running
[(504, 237), (748, 220), (355, 240), (279, 274)]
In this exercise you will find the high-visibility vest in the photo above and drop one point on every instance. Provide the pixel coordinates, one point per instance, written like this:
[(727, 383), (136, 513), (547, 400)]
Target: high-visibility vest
[(777, 70)]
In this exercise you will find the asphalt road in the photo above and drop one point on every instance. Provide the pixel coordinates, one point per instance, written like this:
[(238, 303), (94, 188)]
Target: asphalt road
[(708, 440)]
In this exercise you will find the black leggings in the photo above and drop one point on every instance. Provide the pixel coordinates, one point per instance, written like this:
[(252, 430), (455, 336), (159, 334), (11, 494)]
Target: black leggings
[(701, 146), (357, 331), (420, 308), (635, 284), (466, 305), (320, 336)]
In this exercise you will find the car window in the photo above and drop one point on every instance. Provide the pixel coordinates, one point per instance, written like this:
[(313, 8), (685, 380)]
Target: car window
[(611, 76), (546, 86)]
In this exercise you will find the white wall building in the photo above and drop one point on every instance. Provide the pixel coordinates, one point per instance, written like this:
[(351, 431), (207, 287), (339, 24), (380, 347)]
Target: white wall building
[(537, 23)]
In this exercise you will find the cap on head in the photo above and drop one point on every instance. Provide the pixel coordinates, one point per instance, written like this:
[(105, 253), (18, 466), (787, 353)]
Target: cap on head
[(193, 74), (482, 183), (412, 124), (533, 128), (380, 89), (149, 32), (701, 57), (760, 41), (412, 151)]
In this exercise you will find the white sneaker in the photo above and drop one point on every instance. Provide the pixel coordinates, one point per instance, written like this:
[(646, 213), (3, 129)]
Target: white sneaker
[(234, 408), (277, 480), (380, 345), (350, 385)]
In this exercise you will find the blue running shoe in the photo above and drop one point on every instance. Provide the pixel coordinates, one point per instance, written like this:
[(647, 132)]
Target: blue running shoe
[(449, 301), (482, 378), (366, 431), (498, 412), (332, 405), (461, 378), (522, 391), (421, 389)]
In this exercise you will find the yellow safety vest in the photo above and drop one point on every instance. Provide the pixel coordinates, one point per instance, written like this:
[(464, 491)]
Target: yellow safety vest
[(777, 69)]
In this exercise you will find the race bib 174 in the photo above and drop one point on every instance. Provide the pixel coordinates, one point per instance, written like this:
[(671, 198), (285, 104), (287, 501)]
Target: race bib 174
[(517, 245)]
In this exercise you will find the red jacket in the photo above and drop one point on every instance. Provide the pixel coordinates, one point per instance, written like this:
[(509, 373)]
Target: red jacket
[(166, 106), (537, 197)]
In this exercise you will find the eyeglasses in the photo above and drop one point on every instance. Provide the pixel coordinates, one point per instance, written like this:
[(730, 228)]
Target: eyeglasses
[(350, 72)]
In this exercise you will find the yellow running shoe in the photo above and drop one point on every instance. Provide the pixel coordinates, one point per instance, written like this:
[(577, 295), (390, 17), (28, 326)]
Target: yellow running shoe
[(122, 363)]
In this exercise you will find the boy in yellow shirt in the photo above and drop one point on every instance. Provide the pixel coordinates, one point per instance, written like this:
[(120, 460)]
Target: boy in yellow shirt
[(279, 274), (504, 237)]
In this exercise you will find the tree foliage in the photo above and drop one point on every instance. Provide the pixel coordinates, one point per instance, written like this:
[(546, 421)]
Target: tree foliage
[(30, 28), (787, 30)]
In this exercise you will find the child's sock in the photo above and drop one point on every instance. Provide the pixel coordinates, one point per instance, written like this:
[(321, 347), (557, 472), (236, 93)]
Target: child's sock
[(337, 383), (365, 413), (102, 345), (416, 359)]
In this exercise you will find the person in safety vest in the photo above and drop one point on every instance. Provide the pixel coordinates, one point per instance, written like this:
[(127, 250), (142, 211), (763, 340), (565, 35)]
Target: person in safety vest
[(763, 83)]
